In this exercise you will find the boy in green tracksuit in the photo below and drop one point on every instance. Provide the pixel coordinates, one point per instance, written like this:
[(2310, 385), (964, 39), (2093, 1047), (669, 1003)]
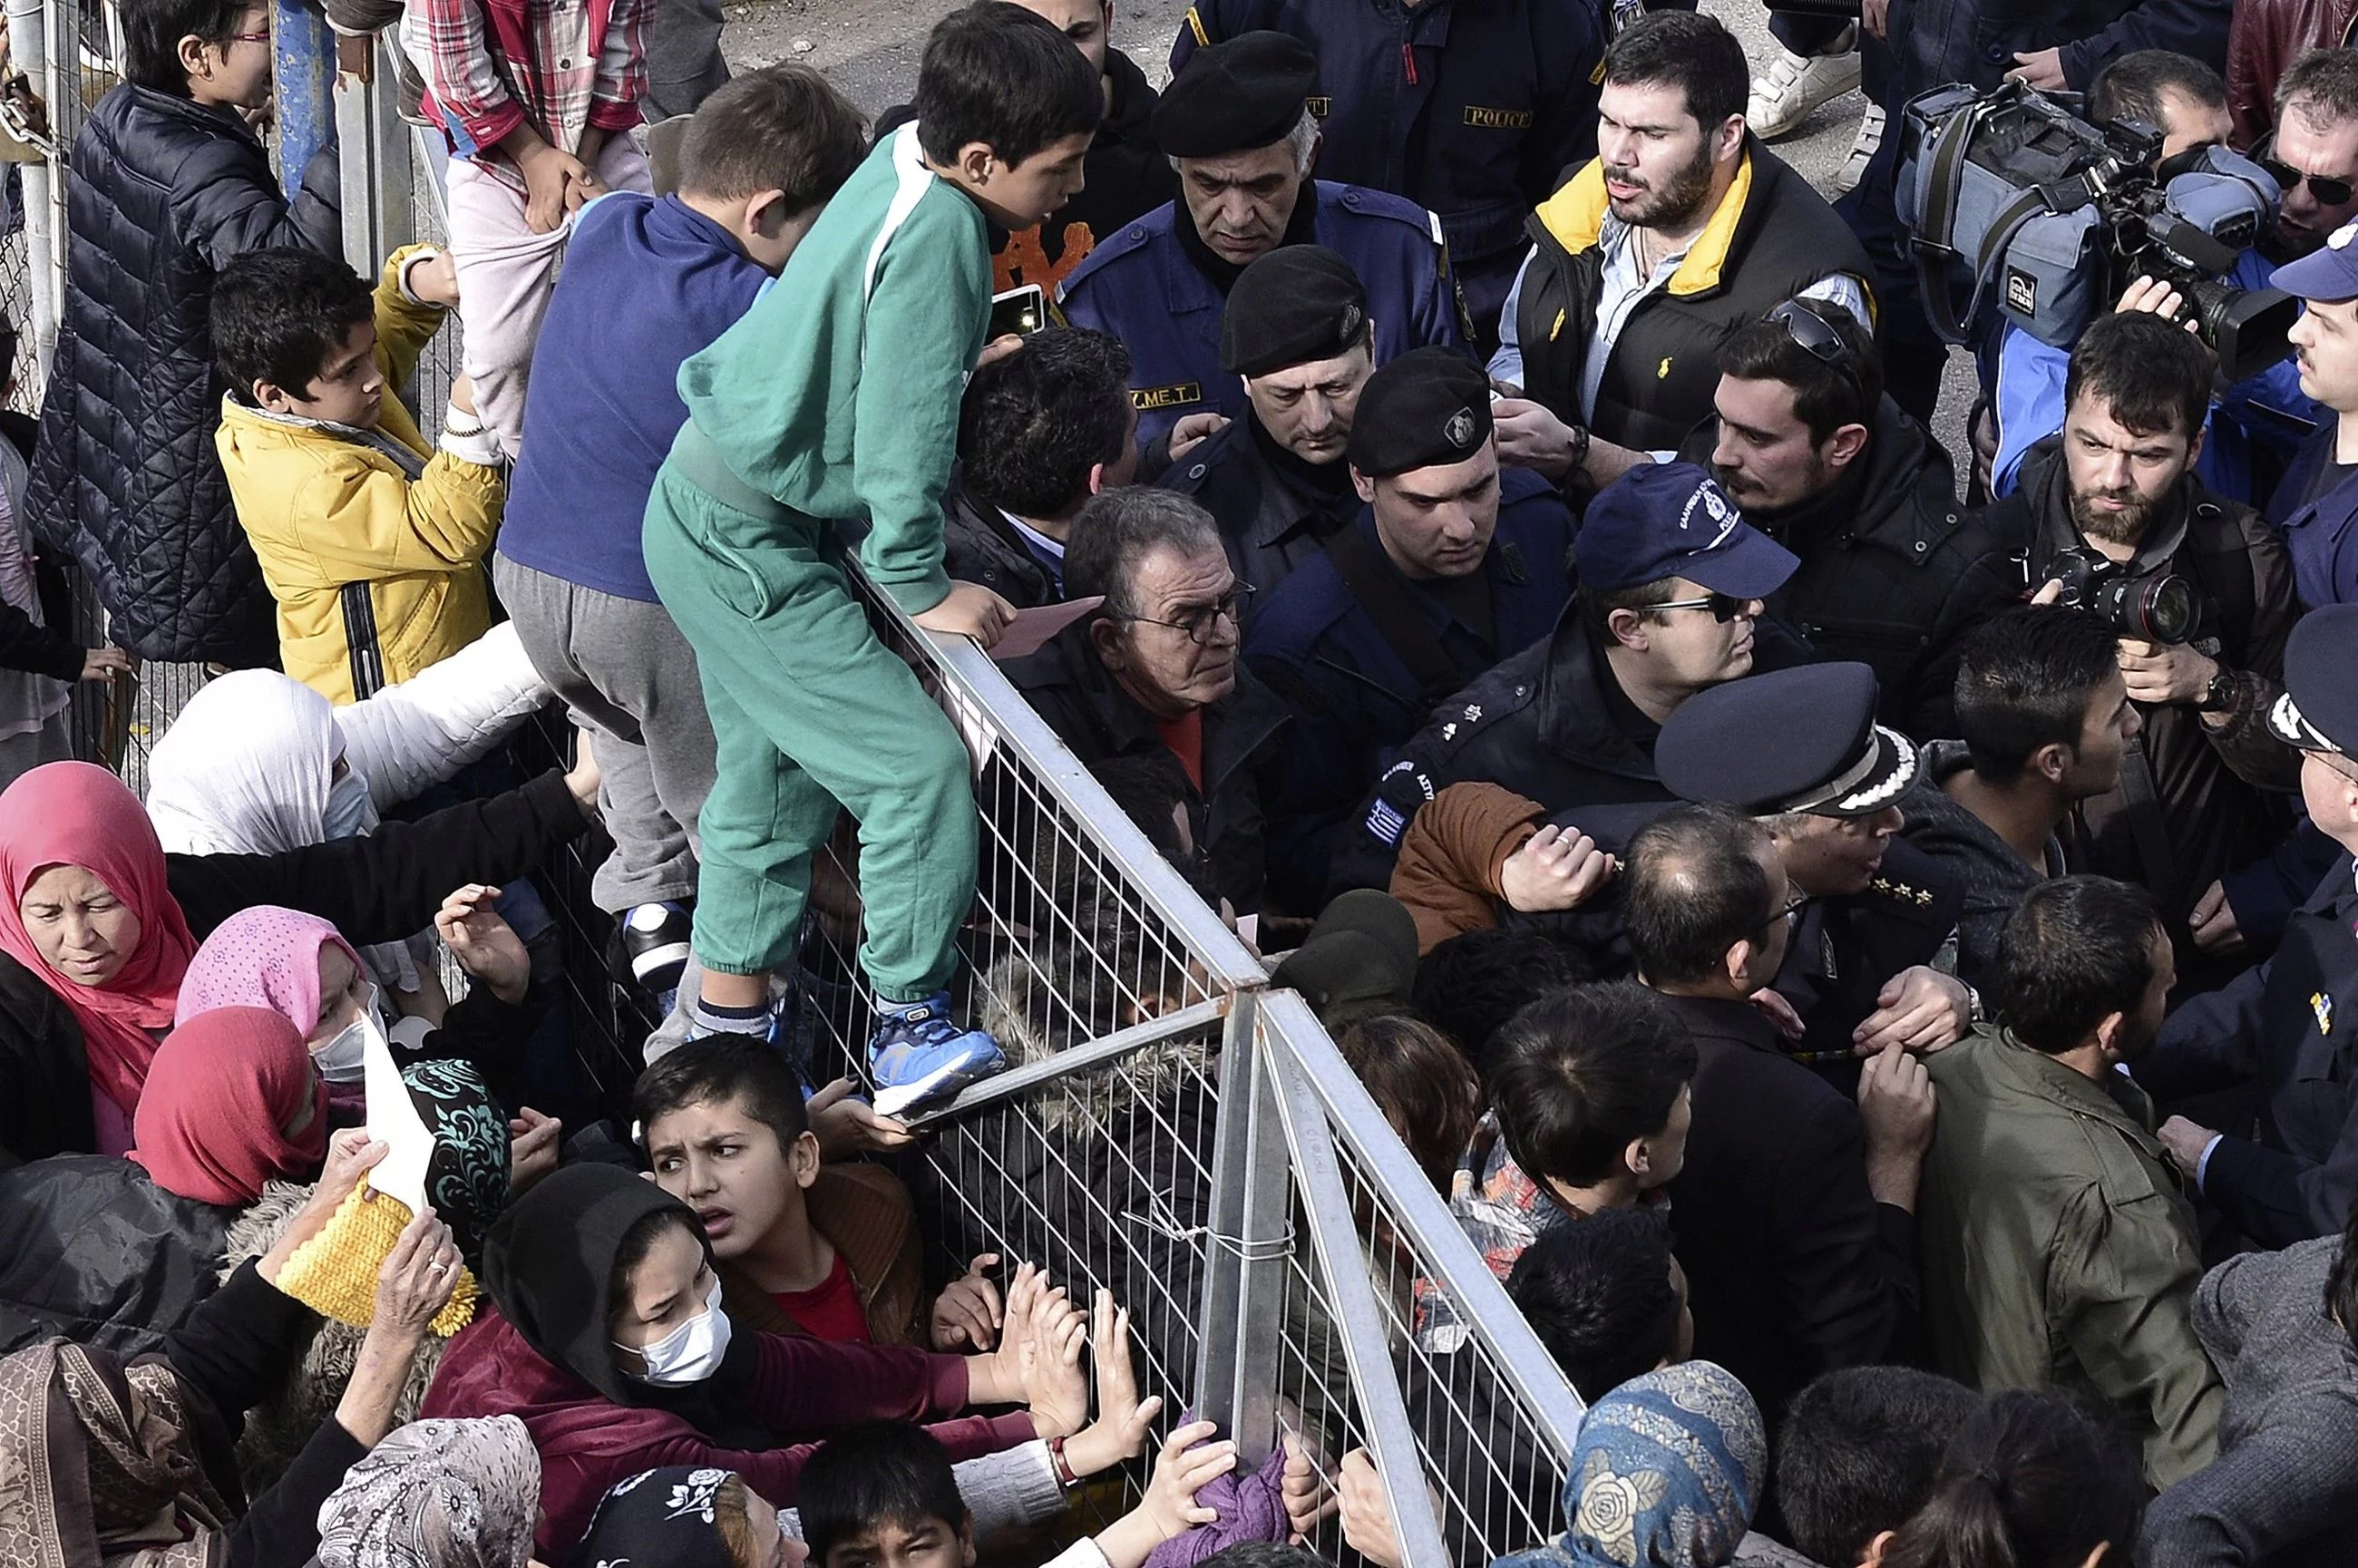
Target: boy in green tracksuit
[(836, 397)]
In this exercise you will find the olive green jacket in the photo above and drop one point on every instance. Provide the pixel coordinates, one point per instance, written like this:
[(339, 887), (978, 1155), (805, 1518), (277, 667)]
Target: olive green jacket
[(2058, 1248)]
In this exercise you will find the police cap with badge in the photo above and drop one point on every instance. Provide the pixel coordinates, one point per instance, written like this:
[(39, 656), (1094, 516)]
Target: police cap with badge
[(1247, 93), (2319, 711), (1797, 740), (1667, 520), (1428, 409), (1296, 305)]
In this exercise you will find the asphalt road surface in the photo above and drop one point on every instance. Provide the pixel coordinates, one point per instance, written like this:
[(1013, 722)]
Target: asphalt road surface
[(869, 49)]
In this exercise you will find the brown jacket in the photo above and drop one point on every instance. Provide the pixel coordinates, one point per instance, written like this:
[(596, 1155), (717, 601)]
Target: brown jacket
[(2267, 36), (865, 1213), (1447, 873)]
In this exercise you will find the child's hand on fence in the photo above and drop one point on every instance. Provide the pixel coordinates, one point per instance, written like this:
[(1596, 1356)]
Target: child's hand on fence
[(1055, 1384), (846, 1125), (1310, 1502), (1367, 1511), (1123, 1419), (1000, 1376), (105, 664), (1180, 1470), (966, 1315), (970, 610)]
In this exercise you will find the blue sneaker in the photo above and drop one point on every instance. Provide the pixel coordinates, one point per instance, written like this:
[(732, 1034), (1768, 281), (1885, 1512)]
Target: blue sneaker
[(917, 1054)]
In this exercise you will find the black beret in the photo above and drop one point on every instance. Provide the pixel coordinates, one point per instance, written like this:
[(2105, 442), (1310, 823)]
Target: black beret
[(1247, 93), (1797, 740), (2318, 710), (1297, 303), (1429, 406)]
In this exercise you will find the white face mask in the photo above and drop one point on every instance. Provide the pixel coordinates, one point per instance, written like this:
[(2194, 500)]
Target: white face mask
[(349, 811), (690, 1353), (339, 1060)]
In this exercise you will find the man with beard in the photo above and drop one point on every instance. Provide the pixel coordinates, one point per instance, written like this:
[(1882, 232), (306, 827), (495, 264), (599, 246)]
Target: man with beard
[(1295, 332), (1893, 573), (1236, 125), (2058, 1248), (1684, 229), (2111, 508)]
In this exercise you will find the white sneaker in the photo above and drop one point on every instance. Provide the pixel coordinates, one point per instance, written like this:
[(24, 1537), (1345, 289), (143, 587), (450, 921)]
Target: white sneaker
[(1861, 151), (1784, 95)]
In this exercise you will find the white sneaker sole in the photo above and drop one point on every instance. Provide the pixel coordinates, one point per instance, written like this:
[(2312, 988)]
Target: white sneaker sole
[(942, 1083)]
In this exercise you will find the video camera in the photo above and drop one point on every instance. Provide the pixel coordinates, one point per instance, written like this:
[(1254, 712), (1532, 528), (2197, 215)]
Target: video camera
[(2009, 189)]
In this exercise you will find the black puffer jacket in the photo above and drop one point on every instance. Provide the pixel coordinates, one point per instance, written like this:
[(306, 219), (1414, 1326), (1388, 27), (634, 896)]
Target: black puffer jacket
[(162, 194)]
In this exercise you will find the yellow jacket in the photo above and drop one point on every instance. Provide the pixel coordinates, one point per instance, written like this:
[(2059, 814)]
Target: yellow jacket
[(376, 576)]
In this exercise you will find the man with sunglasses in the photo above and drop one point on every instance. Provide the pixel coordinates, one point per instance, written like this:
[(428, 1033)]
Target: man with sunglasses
[(1154, 674), (2256, 425), (1453, 563), (1668, 603), (1893, 572), (2290, 1027)]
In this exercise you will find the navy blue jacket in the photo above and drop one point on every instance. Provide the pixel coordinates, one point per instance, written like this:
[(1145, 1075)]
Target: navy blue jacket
[(2319, 535), (1140, 286), (1938, 42), (1472, 108), (1355, 702), (594, 439)]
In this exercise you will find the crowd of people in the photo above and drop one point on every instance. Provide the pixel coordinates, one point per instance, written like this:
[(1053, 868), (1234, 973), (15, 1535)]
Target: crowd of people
[(1859, 934)]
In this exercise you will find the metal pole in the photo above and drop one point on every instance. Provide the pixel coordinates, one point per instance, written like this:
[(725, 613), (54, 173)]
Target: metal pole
[(372, 145), (1236, 1374), (303, 78)]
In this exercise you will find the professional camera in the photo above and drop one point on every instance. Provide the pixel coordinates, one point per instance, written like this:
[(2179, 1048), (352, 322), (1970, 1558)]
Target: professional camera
[(2010, 191), (2158, 606)]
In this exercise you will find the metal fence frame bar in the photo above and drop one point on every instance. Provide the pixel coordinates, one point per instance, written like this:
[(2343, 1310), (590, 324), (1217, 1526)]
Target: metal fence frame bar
[(1244, 1284), (377, 153), (1426, 1221), (1335, 1238), (1098, 1052)]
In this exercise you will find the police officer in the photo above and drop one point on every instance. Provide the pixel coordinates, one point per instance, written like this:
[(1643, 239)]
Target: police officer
[(1237, 122), (1668, 603), (1296, 333), (1453, 565), (1471, 110), (1873, 939), (2291, 1026)]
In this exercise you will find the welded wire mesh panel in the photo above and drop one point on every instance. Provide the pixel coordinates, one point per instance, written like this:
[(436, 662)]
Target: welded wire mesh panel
[(437, 364)]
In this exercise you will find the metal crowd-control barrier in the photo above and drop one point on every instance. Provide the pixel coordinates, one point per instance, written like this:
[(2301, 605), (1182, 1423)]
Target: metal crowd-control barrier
[(1170, 1128)]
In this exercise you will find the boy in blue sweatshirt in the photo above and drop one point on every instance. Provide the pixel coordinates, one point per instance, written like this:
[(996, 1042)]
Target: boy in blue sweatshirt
[(759, 161), (836, 397)]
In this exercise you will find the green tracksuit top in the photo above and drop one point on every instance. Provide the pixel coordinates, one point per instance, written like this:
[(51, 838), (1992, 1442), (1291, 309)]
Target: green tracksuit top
[(838, 393)]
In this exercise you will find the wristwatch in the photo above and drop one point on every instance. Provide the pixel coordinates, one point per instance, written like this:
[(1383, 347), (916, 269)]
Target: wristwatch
[(2220, 694)]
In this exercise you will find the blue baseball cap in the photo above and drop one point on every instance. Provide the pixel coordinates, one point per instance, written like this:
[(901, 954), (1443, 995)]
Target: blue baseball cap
[(2329, 273), (2318, 710), (1666, 520)]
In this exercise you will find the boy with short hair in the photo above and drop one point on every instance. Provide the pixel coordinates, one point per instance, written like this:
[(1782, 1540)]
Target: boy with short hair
[(167, 185), (883, 1492), (757, 164), (836, 397), (372, 541)]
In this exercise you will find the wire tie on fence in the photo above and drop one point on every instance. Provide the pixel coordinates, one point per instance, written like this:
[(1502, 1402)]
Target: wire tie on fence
[(1266, 1249)]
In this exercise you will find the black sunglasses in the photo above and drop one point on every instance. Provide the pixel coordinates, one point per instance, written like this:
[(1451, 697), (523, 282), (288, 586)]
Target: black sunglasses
[(1723, 607), (1815, 335), (2329, 191)]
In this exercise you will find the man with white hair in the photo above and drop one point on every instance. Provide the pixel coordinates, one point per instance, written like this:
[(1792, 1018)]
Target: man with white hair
[(1236, 125)]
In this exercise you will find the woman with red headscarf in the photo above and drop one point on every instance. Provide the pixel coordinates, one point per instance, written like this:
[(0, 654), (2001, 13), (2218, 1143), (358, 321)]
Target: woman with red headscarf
[(98, 924)]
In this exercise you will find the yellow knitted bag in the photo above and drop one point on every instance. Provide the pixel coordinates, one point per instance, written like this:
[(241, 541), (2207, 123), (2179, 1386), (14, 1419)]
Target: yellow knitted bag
[(335, 1272)]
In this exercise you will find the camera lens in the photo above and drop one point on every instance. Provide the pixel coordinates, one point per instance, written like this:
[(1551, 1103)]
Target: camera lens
[(2158, 609)]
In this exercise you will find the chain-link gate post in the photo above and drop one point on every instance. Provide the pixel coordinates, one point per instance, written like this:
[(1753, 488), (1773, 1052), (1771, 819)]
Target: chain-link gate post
[(1236, 1377), (374, 146)]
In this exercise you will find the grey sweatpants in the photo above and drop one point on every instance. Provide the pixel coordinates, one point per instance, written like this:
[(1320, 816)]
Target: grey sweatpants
[(624, 668)]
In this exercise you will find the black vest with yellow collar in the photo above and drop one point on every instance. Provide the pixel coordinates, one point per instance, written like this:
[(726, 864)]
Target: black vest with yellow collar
[(1771, 237)]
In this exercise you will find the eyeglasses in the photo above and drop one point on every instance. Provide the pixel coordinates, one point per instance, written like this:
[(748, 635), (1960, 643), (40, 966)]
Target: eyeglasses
[(1203, 619), (1816, 335), (1723, 607), (2329, 191)]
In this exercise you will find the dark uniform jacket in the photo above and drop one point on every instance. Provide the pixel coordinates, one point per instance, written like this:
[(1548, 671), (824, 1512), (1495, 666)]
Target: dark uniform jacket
[(162, 194), (1937, 41), (1844, 950), (1276, 510), (1353, 692), (2290, 1025), (1471, 108), (1127, 176), (1792, 1268), (1069, 687), (1771, 238), (1894, 572), (2222, 799), (1142, 285), (979, 545)]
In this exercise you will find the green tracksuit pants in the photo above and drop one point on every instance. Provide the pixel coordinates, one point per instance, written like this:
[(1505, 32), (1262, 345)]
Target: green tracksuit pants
[(810, 711)]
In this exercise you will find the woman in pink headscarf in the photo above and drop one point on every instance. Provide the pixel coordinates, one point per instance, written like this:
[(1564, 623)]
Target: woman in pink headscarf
[(98, 925)]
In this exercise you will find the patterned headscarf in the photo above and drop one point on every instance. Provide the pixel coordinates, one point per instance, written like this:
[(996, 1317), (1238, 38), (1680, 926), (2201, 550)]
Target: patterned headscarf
[(263, 956), (437, 1494), (1665, 1473), (466, 1177), (658, 1517)]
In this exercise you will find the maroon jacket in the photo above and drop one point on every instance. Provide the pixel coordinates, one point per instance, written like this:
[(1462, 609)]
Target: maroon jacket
[(804, 1388), (2267, 36)]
